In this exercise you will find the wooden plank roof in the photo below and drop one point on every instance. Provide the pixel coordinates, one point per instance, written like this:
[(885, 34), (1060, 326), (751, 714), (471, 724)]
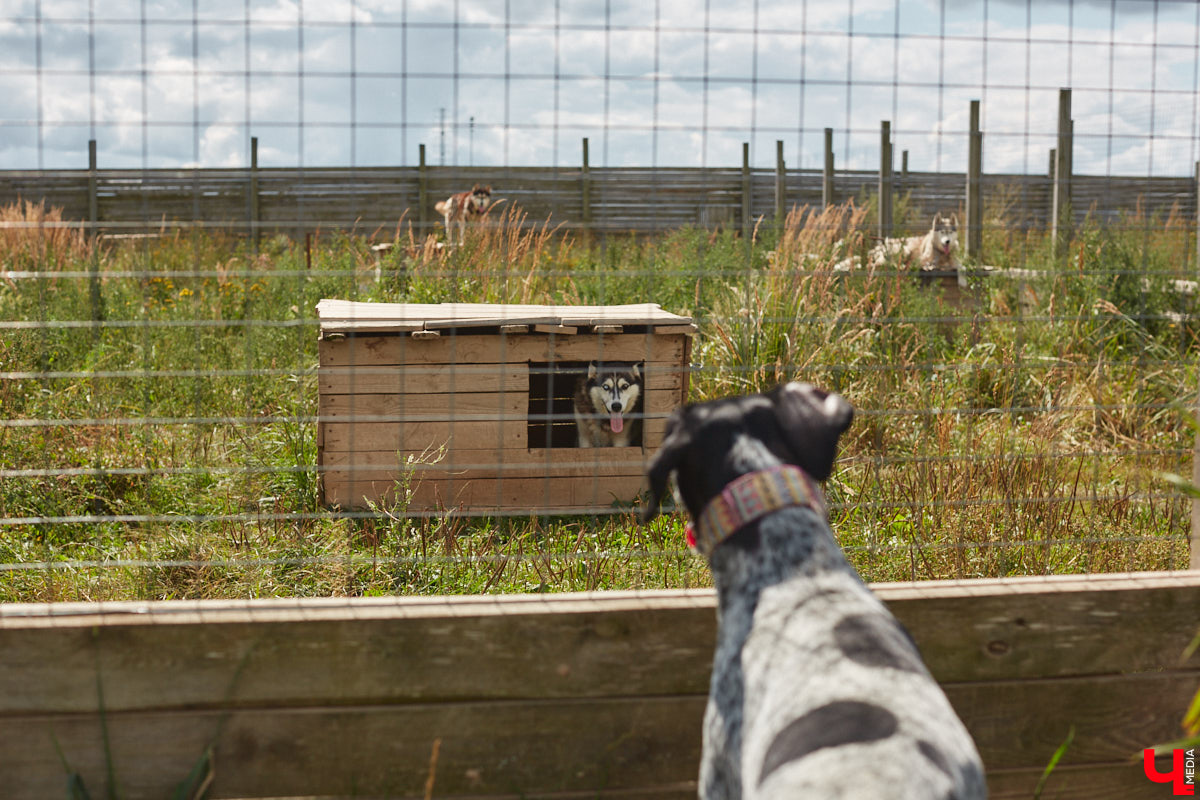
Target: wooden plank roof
[(345, 316)]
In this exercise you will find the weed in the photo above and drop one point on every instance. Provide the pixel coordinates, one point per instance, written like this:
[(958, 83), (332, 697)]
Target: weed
[(1017, 427)]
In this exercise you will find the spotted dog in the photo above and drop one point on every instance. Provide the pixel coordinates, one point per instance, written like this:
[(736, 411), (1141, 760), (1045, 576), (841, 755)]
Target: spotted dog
[(817, 691)]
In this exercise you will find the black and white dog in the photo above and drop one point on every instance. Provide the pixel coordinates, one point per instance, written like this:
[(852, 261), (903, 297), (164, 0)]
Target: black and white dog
[(817, 690)]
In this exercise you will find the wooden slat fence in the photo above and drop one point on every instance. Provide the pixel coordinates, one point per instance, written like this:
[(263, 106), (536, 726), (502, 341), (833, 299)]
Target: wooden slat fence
[(623, 199), (597, 695)]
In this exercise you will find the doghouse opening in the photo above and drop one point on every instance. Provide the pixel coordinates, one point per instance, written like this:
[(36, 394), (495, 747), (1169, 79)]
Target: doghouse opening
[(552, 405)]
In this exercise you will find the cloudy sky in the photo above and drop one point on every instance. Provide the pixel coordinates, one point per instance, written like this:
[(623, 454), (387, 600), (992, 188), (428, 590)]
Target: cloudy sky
[(172, 83)]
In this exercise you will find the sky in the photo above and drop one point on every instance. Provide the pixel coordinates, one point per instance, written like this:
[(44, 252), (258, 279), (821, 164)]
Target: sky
[(181, 83)]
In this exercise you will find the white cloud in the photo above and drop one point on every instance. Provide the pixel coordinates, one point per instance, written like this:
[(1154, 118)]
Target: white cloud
[(369, 77)]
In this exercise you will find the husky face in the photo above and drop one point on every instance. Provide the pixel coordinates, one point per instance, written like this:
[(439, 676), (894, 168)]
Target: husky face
[(944, 233), (613, 392), (479, 199), (603, 402)]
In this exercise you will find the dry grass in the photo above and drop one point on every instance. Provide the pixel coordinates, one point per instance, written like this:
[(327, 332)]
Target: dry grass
[(1020, 428), (35, 237)]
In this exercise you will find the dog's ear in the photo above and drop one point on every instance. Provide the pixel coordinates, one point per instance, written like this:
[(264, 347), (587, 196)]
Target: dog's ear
[(637, 370), (665, 461), (954, 220), (591, 370), (812, 420)]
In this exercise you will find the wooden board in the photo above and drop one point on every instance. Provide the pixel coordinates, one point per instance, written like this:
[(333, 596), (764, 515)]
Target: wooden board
[(433, 379), (624, 461), (453, 436), (460, 405), (545, 493), (484, 749), (628, 745), (444, 378), (622, 199), (419, 436), (346, 697), (542, 460), (348, 316), (663, 353), (288, 649)]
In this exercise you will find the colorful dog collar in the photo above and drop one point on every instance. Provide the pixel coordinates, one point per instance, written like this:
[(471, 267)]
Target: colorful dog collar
[(750, 497)]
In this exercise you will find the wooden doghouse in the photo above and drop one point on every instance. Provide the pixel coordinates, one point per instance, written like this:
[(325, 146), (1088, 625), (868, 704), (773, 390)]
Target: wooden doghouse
[(469, 408)]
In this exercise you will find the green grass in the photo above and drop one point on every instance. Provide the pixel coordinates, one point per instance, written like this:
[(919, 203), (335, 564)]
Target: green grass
[(1022, 430)]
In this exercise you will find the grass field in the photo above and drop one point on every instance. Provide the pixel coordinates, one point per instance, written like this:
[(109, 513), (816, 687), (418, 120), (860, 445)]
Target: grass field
[(1020, 429)]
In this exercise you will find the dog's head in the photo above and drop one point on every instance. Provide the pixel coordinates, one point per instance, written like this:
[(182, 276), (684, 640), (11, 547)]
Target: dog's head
[(945, 232), (615, 390), (708, 445), (481, 197)]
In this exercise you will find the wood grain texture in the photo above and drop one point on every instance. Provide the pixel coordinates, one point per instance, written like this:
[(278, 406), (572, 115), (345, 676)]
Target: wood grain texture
[(348, 316), (484, 749), (479, 495), (661, 352), (534, 695), (461, 378), (621, 199)]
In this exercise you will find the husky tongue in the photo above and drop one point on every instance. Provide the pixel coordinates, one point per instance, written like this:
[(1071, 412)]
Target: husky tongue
[(616, 422)]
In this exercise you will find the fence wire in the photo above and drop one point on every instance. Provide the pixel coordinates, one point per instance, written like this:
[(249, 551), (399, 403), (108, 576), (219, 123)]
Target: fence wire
[(182, 184)]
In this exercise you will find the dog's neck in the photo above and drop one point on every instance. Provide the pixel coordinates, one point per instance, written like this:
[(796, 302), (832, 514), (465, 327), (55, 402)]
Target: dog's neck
[(749, 498)]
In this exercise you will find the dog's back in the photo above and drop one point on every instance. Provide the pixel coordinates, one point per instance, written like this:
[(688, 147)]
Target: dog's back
[(817, 691)]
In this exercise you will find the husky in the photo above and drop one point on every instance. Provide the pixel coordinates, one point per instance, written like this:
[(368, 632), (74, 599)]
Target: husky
[(603, 399), (458, 208), (937, 249)]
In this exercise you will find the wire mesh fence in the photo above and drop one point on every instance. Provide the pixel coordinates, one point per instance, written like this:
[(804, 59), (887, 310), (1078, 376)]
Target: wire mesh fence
[(713, 199)]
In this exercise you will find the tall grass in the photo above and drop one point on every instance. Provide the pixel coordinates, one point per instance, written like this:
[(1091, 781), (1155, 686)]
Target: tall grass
[(1016, 428)]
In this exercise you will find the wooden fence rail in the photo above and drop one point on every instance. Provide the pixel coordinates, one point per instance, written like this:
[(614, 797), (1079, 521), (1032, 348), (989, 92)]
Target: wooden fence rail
[(597, 695), (600, 199)]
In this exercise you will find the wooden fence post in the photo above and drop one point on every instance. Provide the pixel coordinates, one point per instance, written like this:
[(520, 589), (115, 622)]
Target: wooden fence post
[(1060, 228), (252, 200), (780, 184), (97, 302), (903, 184), (422, 192), (586, 189), (827, 198), (1053, 161), (746, 190), (885, 179), (974, 221), (93, 203)]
